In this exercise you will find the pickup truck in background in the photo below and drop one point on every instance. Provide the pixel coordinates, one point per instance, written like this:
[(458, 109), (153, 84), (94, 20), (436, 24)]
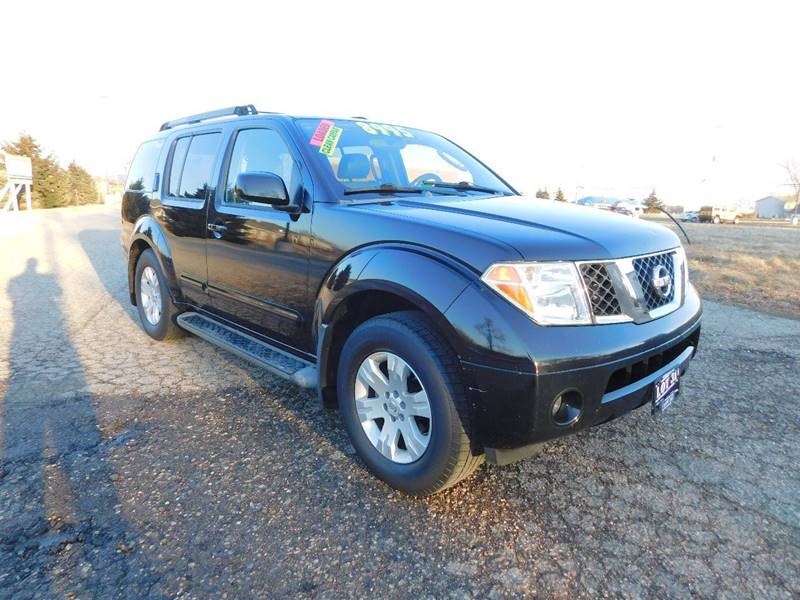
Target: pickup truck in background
[(718, 214)]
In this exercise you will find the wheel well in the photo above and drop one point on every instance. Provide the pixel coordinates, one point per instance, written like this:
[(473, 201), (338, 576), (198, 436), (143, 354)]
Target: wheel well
[(134, 253), (355, 310)]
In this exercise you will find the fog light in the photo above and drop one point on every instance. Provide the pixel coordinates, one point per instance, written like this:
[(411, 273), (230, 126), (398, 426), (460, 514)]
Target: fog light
[(567, 407)]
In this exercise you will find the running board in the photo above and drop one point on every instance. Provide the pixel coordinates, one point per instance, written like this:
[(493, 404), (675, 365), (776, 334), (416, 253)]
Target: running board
[(267, 356)]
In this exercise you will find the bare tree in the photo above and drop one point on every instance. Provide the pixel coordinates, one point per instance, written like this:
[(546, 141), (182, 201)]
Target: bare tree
[(793, 171)]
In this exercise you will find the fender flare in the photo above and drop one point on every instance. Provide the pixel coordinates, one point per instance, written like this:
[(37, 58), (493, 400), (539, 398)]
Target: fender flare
[(147, 230), (420, 276)]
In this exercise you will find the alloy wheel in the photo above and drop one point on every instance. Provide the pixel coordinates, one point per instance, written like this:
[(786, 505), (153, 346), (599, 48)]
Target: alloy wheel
[(150, 295), (393, 407)]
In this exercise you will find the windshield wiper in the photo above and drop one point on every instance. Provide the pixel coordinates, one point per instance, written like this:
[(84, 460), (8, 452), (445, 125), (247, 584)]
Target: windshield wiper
[(386, 188), (464, 185)]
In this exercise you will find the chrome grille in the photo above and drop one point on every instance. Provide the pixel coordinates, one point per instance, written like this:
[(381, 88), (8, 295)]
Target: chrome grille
[(622, 290), (600, 289), (644, 272)]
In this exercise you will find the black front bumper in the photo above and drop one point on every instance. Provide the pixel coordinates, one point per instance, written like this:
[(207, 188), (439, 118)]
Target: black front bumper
[(513, 410)]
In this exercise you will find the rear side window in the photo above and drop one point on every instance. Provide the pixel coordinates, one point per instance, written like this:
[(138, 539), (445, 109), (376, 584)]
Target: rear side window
[(191, 171), (178, 159), (142, 173)]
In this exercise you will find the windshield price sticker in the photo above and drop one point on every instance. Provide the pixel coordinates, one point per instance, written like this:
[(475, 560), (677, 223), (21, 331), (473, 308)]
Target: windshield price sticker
[(322, 130), (379, 129), (330, 140)]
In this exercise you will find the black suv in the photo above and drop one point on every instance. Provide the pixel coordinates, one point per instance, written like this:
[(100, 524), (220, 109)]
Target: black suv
[(451, 319)]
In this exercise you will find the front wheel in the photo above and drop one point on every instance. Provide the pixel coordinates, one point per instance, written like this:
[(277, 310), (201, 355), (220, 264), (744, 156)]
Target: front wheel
[(404, 405), (717, 220), (156, 310)]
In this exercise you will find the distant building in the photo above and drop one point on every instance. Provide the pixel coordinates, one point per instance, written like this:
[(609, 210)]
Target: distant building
[(770, 208)]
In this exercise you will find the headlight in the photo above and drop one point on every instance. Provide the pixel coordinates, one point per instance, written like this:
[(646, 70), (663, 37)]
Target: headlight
[(549, 293)]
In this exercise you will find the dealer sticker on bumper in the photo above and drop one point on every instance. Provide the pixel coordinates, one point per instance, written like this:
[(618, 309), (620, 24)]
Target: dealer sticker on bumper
[(665, 389)]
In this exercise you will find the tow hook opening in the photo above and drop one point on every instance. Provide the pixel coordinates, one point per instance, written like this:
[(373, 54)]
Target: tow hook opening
[(567, 407)]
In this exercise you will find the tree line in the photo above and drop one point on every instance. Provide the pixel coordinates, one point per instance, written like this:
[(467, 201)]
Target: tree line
[(545, 195), (52, 184), (652, 203)]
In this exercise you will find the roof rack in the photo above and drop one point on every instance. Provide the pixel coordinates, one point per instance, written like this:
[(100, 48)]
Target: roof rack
[(246, 109)]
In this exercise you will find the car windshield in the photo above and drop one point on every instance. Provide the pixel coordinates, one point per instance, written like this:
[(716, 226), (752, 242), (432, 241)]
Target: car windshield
[(366, 157)]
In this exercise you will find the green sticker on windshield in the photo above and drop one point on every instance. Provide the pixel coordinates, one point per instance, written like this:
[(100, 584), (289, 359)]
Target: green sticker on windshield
[(330, 140)]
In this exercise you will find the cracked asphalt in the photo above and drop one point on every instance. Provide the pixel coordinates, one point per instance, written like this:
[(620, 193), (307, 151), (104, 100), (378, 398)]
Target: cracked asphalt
[(136, 469)]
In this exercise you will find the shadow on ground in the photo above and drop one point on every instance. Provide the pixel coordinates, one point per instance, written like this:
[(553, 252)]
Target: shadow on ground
[(102, 248), (61, 531)]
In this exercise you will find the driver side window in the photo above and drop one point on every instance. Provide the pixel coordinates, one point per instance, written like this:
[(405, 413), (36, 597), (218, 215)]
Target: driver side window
[(261, 150)]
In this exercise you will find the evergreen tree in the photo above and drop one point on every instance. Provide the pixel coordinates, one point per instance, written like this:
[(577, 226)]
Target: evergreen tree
[(50, 182), (82, 189), (544, 194), (560, 196), (652, 204)]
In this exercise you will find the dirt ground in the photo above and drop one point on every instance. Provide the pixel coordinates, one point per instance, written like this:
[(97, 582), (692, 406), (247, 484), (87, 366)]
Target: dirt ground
[(750, 264)]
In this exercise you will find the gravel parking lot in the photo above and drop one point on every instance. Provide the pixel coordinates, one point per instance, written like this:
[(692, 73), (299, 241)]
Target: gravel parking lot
[(133, 469)]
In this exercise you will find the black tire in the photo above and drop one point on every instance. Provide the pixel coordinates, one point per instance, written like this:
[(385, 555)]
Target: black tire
[(166, 328), (448, 457)]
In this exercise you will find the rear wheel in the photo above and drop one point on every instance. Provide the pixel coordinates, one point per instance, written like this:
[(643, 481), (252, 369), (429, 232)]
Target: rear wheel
[(156, 310), (404, 406)]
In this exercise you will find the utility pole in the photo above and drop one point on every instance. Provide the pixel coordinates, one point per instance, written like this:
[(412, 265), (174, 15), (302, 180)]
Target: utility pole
[(793, 171)]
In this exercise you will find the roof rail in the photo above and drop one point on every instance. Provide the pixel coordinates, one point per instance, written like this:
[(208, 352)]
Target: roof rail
[(246, 109)]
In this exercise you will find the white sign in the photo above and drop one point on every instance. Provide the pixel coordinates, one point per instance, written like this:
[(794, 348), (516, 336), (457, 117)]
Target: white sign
[(19, 169)]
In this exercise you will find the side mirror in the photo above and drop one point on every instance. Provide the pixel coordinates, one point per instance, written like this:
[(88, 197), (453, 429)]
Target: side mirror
[(263, 187)]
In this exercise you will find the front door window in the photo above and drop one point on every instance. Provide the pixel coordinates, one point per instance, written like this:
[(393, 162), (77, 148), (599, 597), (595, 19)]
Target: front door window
[(261, 150)]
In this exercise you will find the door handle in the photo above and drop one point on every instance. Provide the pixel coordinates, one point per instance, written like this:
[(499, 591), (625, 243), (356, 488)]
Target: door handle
[(216, 229)]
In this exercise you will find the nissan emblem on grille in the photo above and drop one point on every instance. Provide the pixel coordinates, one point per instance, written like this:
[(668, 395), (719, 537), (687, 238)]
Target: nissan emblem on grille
[(662, 282), (656, 275)]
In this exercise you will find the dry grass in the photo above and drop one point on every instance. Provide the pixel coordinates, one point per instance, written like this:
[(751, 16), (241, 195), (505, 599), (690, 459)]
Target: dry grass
[(755, 265)]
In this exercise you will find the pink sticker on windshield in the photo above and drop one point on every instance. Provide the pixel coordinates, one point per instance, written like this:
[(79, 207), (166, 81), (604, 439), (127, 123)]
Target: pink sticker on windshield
[(321, 132)]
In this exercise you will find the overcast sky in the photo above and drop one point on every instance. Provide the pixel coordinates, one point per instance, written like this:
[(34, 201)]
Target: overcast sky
[(697, 100)]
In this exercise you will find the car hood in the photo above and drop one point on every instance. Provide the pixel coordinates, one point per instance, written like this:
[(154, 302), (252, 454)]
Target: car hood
[(536, 229)]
